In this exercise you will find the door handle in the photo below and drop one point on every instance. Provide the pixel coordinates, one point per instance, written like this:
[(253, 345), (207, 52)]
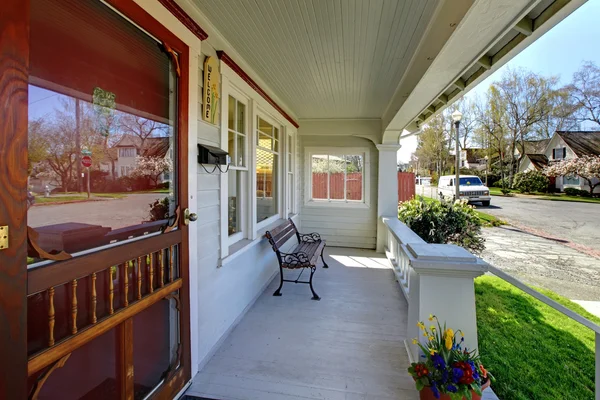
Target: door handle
[(189, 217)]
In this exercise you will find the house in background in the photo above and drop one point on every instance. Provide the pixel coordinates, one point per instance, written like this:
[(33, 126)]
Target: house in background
[(563, 145), (473, 159), (123, 154)]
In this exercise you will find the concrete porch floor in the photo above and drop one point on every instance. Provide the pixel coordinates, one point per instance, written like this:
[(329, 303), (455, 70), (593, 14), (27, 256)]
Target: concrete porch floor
[(347, 346)]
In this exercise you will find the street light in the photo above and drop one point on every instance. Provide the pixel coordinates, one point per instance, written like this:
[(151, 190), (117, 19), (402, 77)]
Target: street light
[(486, 170), (456, 117)]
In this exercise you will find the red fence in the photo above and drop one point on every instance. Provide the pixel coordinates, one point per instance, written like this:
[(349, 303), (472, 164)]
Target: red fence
[(406, 186), (336, 186)]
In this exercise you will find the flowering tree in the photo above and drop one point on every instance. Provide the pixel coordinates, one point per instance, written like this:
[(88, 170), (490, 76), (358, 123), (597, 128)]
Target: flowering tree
[(586, 167), (151, 167)]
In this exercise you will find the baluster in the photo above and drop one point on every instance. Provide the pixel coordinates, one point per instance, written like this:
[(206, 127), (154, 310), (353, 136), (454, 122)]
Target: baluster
[(74, 306), (171, 263), (51, 314), (111, 290), (94, 298), (139, 278), (161, 267), (150, 273), (126, 284)]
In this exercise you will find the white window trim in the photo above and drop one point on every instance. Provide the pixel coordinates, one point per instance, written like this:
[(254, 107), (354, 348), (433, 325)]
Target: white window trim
[(308, 200), (290, 168), (265, 116)]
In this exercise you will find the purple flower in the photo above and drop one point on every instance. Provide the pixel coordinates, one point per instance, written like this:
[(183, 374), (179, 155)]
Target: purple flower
[(451, 388), (457, 373), (435, 391), (438, 361)]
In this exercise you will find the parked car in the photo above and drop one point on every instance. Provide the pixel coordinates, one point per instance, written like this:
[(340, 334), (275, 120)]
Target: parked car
[(470, 186)]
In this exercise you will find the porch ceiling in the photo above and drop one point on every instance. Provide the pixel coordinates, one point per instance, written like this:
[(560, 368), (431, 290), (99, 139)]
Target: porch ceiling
[(325, 59)]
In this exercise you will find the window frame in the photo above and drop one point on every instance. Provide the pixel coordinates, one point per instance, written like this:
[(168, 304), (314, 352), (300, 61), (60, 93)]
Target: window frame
[(244, 171), (290, 173), (338, 151), (260, 113)]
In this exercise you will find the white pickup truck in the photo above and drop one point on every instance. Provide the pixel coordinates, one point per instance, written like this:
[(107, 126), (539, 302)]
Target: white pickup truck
[(471, 189)]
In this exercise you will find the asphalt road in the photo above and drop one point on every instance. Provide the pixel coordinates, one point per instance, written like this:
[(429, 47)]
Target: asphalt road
[(578, 223), (114, 213)]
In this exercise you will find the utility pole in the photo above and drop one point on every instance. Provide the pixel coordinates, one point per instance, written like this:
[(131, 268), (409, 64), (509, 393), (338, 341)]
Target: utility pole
[(456, 117), (78, 146)]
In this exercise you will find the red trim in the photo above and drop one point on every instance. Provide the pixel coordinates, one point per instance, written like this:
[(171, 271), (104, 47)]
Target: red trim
[(238, 70), (184, 18)]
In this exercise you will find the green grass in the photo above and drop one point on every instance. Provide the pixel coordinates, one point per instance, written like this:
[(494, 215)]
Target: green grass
[(534, 351), (74, 196), (489, 220), (564, 197), (40, 200)]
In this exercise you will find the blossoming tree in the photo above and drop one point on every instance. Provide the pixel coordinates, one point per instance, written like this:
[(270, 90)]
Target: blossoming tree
[(151, 167), (586, 167)]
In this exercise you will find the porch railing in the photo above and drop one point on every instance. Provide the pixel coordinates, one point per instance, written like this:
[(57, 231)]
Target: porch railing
[(426, 268)]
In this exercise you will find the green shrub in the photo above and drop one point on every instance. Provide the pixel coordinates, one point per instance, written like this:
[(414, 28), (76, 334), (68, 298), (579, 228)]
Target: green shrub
[(444, 222), (499, 184), (505, 191), (530, 181), (572, 191), (434, 178)]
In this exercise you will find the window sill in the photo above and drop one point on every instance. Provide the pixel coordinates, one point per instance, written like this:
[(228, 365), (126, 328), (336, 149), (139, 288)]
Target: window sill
[(335, 204)]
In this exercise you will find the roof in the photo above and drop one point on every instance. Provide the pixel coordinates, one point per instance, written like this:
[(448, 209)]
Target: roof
[(536, 146), (475, 155), (583, 143), (153, 146), (539, 161)]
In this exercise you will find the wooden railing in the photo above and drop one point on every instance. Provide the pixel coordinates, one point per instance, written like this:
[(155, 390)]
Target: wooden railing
[(95, 296)]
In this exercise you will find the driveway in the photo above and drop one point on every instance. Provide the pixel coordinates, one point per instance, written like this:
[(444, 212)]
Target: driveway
[(578, 223), (114, 213)]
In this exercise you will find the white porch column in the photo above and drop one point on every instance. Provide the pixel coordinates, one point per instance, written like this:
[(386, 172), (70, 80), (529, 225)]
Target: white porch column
[(387, 189), (445, 288)]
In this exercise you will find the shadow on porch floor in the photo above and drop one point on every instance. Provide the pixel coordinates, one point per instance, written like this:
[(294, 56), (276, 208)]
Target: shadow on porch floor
[(347, 346)]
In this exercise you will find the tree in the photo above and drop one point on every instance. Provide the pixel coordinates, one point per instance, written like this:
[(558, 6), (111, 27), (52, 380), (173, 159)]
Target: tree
[(433, 150), (586, 167), (468, 123), (585, 93), (151, 167), (142, 128)]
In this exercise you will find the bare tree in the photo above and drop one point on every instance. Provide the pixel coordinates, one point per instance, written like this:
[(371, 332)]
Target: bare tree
[(585, 92), (141, 128)]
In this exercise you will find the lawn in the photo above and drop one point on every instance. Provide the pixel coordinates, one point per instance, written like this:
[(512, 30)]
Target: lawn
[(564, 197), (534, 351), (488, 220), (74, 196)]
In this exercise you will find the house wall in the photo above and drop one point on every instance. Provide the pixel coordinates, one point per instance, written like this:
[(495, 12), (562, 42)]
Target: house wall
[(557, 142), (340, 225), (526, 165)]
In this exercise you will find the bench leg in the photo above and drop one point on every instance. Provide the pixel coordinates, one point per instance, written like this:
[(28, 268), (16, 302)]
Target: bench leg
[(323, 259), (278, 291), (315, 295)]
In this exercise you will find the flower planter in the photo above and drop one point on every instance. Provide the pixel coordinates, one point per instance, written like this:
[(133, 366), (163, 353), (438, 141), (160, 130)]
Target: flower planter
[(427, 394)]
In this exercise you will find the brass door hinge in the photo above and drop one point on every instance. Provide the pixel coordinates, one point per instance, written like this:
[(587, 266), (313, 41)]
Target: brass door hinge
[(3, 237)]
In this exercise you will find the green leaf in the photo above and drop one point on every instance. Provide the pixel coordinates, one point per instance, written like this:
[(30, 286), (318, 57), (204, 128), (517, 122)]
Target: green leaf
[(419, 385), (469, 395), (476, 388)]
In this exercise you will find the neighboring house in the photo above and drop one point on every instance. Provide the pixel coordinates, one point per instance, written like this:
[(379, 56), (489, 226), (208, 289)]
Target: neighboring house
[(473, 159), (124, 154), (563, 145)]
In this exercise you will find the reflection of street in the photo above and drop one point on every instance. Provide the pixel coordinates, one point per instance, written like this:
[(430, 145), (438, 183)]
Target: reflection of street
[(113, 213)]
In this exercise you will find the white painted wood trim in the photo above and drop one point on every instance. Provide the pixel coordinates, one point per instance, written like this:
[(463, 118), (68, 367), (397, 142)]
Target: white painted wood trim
[(308, 200)]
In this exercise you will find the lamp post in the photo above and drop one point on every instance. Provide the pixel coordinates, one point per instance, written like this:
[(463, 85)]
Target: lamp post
[(486, 170), (456, 117)]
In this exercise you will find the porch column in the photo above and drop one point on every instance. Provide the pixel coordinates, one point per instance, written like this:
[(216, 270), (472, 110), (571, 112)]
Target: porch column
[(445, 288), (387, 189)]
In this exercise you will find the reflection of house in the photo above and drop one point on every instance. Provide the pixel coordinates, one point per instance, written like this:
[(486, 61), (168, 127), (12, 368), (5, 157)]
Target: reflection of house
[(564, 145), (125, 151)]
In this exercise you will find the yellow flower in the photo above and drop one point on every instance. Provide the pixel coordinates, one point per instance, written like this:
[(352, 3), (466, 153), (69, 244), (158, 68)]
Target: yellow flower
[(462, 334), (431, 338), (425, 334), (449, 342), (431, 317), (415, 341), (421, 325), (432, 352), (449, 333), (432, 328)]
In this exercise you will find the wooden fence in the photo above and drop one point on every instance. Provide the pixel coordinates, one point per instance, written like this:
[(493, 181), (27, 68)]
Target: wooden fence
[(406, 186)]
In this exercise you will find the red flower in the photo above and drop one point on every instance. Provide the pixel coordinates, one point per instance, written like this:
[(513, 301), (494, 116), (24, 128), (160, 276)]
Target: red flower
[(421, 370), (467, 377)]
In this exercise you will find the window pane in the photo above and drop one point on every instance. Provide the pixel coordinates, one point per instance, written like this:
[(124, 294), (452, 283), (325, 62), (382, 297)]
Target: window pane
[(319, 177), (98, 119), (336, 177), (241, 151), (234, 201), (276, 133), (265, 127), (241, 118), (231, 113), (264, 141), (290, 193), (231, 147), (354, 177), (266, 184)]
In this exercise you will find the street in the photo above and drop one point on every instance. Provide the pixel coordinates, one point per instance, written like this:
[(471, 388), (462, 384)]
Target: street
[(571, 221), (114, 213)]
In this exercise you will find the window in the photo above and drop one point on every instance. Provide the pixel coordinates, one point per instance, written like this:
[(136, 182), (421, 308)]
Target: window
[(570, 180), (337, 177), (290, 174), (236, 135), (559, 153), (267, 156), (127, 152)]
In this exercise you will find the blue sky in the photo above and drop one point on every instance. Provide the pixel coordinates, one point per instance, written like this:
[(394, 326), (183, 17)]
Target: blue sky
[(560, 52)]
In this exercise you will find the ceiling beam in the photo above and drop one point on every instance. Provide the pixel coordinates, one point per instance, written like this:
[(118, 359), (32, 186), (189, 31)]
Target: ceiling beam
[(525, 26), (485, 62), (459, 84)]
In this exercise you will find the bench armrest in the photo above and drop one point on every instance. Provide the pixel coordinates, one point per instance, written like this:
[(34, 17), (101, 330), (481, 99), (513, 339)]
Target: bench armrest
[(309, 237)]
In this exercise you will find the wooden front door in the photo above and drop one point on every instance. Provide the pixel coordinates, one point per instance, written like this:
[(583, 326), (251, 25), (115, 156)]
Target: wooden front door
[(94, 300)]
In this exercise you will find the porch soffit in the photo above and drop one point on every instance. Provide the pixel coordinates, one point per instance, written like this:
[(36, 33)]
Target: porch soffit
[(325, 59)]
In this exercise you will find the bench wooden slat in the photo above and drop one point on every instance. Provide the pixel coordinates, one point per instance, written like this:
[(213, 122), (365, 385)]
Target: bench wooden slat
[(280, 241), (315, 257), (281, 228)]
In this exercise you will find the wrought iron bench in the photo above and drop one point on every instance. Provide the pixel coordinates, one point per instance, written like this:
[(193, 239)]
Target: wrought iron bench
[(305, 255)]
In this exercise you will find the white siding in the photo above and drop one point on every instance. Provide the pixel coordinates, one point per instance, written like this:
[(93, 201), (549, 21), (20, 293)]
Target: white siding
[(340, 226)]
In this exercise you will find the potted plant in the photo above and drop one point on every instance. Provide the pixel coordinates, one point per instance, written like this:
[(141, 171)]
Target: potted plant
[(449, 371)]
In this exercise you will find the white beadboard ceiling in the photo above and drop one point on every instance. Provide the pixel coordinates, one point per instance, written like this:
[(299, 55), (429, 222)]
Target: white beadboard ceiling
[(325, 58)]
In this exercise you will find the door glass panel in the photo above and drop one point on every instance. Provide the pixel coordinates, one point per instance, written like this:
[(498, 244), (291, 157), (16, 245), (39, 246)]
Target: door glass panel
[(234, 218), (102, 128)]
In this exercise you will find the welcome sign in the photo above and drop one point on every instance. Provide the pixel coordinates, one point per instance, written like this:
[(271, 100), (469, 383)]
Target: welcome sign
[(210, 111)]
